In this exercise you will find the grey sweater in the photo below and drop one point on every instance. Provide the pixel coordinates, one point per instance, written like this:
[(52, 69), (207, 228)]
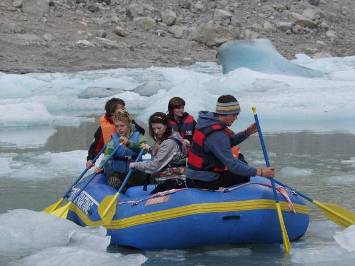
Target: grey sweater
[(165, 153)]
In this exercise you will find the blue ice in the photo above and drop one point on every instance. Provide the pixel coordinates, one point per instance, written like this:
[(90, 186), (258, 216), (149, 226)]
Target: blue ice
[(259, 55)]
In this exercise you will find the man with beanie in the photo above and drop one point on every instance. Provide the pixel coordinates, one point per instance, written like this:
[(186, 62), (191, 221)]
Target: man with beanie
[(211, 163)]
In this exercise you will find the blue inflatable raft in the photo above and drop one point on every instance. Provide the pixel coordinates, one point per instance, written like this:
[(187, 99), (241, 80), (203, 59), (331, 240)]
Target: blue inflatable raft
[(188, 218)]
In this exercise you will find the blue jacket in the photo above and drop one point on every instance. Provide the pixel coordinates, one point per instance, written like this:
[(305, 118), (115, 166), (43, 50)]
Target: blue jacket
[(219, 143), (123, 155)]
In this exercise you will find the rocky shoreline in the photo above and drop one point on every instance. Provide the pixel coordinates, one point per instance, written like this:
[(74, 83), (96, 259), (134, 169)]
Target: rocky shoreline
[(75, 35)]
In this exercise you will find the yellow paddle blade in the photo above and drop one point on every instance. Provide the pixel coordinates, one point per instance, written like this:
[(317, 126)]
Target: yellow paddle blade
[(285, 239), (337, 214), (107, 208), (53, 206), (62, 212)]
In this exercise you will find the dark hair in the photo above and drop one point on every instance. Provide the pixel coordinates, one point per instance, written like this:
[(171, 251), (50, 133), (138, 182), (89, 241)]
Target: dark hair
[(111, 105), (175, 102), (160, 118), (226, 99)]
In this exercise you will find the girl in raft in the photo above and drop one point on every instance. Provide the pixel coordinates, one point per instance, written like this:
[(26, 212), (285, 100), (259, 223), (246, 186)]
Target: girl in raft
[(168, 155), (130, 141)]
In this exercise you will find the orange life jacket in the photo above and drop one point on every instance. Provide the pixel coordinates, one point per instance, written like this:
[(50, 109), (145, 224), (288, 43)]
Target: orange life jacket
[(107, 128)]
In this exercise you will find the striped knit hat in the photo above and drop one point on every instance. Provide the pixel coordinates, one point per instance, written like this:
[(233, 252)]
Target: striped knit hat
[(227, 105)]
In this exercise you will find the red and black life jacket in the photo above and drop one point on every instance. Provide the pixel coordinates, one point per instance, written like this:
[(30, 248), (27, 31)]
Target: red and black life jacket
[(198, 158), (185, 127)]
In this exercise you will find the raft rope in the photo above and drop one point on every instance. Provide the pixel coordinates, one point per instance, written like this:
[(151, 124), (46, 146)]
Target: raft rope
[(281, 190), (157, 195)]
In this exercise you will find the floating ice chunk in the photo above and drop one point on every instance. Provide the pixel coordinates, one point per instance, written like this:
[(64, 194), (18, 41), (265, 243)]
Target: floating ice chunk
[(290, 171), (329, 65), (18, 86), (168, 255), (74, 256), (259, 55), (70, 159), (346, 239), (5, 165), (54, 241), (90, 238), (29, 230), (33, 166), (25, 137), (99, 92), (324, 230), (232, 252), (151, 87), (327, 254), (340, 179), (25, 114), (351, 161), (320, 248)]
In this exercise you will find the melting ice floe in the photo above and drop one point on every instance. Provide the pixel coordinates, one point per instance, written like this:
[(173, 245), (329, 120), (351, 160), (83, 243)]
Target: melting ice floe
[(36, 238), (40, 166), (25, 137), (259, 55), (290, 171), (284, 102), (321, 249), (346, 239)]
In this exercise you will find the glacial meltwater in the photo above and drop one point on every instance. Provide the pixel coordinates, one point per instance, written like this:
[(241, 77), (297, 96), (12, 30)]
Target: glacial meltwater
[(48, 120)]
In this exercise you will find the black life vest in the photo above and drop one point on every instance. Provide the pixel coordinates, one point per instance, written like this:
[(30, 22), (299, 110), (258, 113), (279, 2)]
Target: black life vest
[(198, 158), (185, 126)]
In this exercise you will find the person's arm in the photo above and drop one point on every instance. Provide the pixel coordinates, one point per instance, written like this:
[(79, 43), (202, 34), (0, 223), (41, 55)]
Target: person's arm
[(94, 147), (218, 143), (138, 127), (243, 135), (165, 154), (238, 138)]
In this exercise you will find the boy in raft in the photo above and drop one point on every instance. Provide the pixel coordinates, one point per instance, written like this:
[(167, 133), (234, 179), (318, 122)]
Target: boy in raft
[(107, 128), (211, 164), (130, 142)]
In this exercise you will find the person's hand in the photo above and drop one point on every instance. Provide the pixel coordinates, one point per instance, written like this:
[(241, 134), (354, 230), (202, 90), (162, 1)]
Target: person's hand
[(266, 172), (89, 164), (124, 140), (251, 130), (186, 142), (132, 165), (144, 146), (98, 170)]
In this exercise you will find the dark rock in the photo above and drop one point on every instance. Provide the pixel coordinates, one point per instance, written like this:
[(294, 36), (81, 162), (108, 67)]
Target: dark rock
[(314, 2)]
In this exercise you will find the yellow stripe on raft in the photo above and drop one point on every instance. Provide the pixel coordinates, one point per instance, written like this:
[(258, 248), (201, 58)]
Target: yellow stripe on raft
[(202, 208)]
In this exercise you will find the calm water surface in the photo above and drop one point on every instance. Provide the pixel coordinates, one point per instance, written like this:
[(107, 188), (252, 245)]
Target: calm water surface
[(314, 163)]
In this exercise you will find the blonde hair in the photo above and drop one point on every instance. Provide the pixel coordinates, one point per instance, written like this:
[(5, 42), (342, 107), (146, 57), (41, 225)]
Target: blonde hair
[(122, 116)]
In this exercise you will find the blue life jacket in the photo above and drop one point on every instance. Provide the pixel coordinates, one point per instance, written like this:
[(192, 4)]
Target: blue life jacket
[(123, 155)]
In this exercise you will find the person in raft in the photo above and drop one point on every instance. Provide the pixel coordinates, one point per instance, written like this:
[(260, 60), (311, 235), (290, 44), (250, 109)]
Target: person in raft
[(179, 120), (130, 141), (107, 128), (210, 163), (168, 154)]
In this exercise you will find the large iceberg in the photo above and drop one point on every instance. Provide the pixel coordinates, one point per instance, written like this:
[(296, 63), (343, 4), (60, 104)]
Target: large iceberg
[(259, 55)]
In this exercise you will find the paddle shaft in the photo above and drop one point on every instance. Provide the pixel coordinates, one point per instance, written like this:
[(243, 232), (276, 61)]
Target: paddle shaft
[(123, 184), (92, 177), (285, 238), (84, 172), (263, 147)]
